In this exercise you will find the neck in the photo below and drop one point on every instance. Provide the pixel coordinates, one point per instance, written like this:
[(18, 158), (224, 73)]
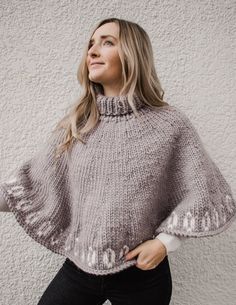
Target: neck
[(109, 92)]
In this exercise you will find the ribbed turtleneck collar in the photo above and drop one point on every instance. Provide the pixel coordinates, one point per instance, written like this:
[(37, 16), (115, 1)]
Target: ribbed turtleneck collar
[(116, 105)]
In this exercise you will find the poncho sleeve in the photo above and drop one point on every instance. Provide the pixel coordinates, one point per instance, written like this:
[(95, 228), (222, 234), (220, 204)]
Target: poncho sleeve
[(199, 199), (37, 194)]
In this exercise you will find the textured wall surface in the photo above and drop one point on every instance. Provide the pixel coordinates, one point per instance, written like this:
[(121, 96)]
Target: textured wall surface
[(194, 47)]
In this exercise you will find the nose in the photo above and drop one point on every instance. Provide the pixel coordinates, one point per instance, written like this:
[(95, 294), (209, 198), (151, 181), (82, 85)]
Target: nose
[(92, 50), (92, 53)]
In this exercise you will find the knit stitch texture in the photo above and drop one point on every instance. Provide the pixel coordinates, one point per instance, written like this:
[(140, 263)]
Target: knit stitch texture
[(134, 178)]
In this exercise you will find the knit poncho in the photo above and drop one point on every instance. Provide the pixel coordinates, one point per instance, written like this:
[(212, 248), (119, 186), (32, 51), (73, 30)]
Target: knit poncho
[(134, 178)]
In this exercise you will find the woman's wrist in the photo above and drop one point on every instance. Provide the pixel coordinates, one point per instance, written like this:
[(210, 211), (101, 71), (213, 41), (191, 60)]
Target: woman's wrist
[(171, 242)]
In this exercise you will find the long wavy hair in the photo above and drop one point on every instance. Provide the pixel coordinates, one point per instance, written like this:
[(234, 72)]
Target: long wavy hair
[(138, 77)]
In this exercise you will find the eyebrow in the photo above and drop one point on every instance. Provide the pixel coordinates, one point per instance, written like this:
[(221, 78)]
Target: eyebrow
[(102, 36)]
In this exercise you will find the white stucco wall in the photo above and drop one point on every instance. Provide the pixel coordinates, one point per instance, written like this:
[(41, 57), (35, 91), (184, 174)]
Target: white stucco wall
[(194, 47)]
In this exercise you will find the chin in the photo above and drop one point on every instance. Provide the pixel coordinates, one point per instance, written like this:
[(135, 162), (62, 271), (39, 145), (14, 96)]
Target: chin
[(96, 78)]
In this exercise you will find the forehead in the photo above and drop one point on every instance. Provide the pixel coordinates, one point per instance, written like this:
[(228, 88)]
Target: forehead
[(107, 29)]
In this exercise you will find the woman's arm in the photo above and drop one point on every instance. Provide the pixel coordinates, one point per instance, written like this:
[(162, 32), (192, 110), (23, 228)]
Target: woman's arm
[(3, 205)]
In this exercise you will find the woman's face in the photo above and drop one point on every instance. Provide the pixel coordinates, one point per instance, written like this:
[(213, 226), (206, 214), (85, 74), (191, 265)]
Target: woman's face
[(105, 51)]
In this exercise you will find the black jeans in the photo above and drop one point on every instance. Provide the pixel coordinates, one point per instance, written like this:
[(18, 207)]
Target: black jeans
[(132, 286)]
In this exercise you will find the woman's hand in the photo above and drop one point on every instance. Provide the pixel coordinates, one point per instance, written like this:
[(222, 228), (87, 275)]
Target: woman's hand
[(150, 254)]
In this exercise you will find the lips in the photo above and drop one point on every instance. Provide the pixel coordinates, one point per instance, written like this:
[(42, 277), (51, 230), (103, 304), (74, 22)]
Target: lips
[(97, 63)]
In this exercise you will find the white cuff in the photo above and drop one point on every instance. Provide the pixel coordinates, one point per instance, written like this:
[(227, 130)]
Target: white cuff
[(171, 242)]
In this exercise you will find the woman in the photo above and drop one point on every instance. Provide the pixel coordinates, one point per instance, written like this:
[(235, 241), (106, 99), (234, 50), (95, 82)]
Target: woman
[(123, 178)]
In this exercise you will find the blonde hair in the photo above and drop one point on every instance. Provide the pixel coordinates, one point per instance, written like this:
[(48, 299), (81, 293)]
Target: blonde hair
[(138, 77)]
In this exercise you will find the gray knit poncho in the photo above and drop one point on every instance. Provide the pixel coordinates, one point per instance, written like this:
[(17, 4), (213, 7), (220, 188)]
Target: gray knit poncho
[(134, 178)]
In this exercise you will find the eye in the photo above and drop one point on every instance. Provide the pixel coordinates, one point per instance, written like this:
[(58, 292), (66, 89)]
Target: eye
[(90, 45), (109, 41)]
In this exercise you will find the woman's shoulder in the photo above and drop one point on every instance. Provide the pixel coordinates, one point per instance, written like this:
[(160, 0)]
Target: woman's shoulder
[(175, 115), (56, 136)]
